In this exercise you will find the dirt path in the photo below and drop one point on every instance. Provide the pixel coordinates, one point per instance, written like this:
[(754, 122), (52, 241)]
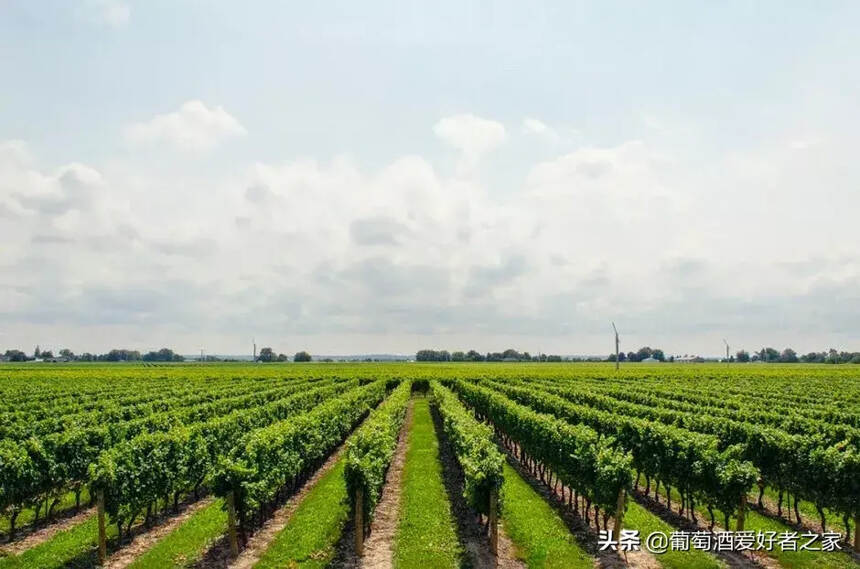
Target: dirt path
[(142, 542), (472, 534), (42, 535), (378, 548)]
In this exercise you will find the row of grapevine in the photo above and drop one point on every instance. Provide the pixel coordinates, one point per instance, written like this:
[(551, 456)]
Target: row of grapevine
[(267, 461), (691, 462), (774, 416), (370, 450), (135, 473), (816, 468), (582, 459), (39, 469), (473, 445), (114, 414)]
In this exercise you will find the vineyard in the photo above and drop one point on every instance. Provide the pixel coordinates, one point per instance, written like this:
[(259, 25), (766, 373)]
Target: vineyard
[(426, 465)]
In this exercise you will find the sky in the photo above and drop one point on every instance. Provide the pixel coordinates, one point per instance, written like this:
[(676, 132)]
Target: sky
[(378, 177)]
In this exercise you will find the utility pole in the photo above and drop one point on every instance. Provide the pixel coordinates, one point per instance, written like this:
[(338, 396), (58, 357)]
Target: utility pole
[(254, 340), (727, 350), (617, 363)]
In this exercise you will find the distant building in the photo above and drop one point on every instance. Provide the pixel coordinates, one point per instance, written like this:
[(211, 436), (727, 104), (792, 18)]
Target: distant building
[(650, 360)]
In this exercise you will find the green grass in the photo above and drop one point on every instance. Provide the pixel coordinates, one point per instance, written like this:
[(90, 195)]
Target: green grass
[(638, 518), (187, 543), (787, 559), (426, 535), (540, 536), (308, 540), (808, 513), (67, 502), (75, 547)]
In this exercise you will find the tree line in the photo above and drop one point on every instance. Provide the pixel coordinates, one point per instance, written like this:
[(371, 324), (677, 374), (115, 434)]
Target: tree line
[(267, 355), (789, 356), (509, 355), (115, 355)]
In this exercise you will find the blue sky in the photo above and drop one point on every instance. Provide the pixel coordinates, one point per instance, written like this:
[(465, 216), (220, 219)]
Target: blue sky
[(349, 177)]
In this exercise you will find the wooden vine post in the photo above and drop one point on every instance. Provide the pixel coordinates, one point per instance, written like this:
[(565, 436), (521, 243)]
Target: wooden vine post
[(742, 506), (856, 533), (102, 533), (231, 525), (359, 522), (619, 515), (494, 521)]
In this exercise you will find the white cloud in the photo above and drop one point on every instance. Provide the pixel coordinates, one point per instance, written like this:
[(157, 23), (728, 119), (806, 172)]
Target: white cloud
[(394, 256), (193, 127), (113, 13), (540, 128), (473, 136)]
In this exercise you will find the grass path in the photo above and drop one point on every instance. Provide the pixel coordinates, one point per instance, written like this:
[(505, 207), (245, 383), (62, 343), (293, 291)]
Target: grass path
[(539, 535), (308, 541), (808, 513), (787, 559), (638, 518), (185, 545), (426, 535), (64, 508), (76, 547)]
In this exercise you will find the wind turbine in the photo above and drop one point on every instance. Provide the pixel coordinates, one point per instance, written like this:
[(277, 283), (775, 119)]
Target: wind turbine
[(727, 350), (616, 346)]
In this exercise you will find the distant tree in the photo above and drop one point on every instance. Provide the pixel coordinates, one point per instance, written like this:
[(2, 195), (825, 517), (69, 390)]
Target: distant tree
[(15, 356), (644, 353), (631, 357), (67, 353), (769, 355), (658, 355), (117, 355), (163, 355), (266, 355), (86, 357), (47, 354), (553, 359), (302, 357), (511, 353), (622, 357), (474, 356), (283, 358), (37, 353), (458, 357), (742, 356), (788, 356)]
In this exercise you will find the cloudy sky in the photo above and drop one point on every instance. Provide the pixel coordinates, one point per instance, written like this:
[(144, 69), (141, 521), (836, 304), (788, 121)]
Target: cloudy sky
[(349, 178)]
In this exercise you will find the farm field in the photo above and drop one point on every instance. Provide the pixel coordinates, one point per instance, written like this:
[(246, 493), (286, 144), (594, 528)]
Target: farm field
[(413, 465)]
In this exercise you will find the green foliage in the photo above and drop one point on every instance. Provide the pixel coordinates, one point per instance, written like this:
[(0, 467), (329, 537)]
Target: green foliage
[(580, 457), (473, 444), (266, 460), (370, 450)]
